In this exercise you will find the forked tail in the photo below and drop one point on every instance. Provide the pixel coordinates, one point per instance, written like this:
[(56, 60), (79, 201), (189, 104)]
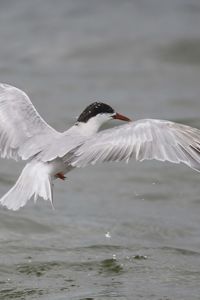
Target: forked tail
[(34, 181)]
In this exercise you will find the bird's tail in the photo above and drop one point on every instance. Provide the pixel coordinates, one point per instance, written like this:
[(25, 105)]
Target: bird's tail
[(34, 181)]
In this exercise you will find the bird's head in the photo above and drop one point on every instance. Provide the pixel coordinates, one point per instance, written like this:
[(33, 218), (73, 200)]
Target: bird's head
[(97, 114)]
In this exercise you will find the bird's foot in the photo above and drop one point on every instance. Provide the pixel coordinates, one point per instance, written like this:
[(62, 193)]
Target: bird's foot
[(61, 176)]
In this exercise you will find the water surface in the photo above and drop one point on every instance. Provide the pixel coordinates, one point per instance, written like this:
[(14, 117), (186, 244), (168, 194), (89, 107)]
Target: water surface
[(118, 231)]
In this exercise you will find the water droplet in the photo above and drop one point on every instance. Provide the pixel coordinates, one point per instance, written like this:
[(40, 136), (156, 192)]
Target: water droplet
[(107, 235), (114, 256)]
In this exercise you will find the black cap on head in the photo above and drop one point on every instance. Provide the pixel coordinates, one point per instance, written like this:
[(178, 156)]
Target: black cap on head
[(94, 109)]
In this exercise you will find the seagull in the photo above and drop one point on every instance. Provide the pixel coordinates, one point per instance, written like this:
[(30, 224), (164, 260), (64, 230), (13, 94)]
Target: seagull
[(50, 154)]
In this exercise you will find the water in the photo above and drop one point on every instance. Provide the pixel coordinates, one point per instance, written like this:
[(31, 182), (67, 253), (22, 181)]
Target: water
[(118, 231)]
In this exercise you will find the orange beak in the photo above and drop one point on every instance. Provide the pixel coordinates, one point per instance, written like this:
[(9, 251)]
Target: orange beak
[(121, 117)]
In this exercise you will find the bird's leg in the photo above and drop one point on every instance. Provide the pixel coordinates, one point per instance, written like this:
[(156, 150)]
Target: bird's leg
[(61, 176)]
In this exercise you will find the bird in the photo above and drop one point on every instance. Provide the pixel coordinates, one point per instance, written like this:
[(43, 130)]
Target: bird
[(50, 154)]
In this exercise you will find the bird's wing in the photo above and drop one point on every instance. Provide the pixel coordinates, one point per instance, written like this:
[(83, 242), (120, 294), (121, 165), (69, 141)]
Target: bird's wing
[(20, 124), (143, 139)]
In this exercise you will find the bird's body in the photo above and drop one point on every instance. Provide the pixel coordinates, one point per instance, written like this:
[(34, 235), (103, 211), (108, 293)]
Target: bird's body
[(51, 154)]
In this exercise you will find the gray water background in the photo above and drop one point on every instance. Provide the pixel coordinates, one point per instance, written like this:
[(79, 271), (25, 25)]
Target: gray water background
[(118, 231)]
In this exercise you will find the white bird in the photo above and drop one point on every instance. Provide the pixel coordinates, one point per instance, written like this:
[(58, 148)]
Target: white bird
[(51, 154)]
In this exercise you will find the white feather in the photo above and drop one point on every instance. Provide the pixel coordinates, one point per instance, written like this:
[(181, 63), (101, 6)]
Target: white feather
[(143, 139), (24, 134), (34, 181), (20, 125)]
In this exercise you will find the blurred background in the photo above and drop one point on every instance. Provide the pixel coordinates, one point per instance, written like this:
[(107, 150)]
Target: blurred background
[(118, 231)]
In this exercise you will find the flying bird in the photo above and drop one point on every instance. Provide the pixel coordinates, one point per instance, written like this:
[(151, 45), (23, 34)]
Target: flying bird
[(50, 154)]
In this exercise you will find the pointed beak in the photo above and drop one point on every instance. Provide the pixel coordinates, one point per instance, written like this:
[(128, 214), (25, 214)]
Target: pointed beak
[(121, 117)]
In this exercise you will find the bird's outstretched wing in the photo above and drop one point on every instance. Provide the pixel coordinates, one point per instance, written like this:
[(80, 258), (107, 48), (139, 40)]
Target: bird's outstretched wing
[(20, 124), (143, 139)]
